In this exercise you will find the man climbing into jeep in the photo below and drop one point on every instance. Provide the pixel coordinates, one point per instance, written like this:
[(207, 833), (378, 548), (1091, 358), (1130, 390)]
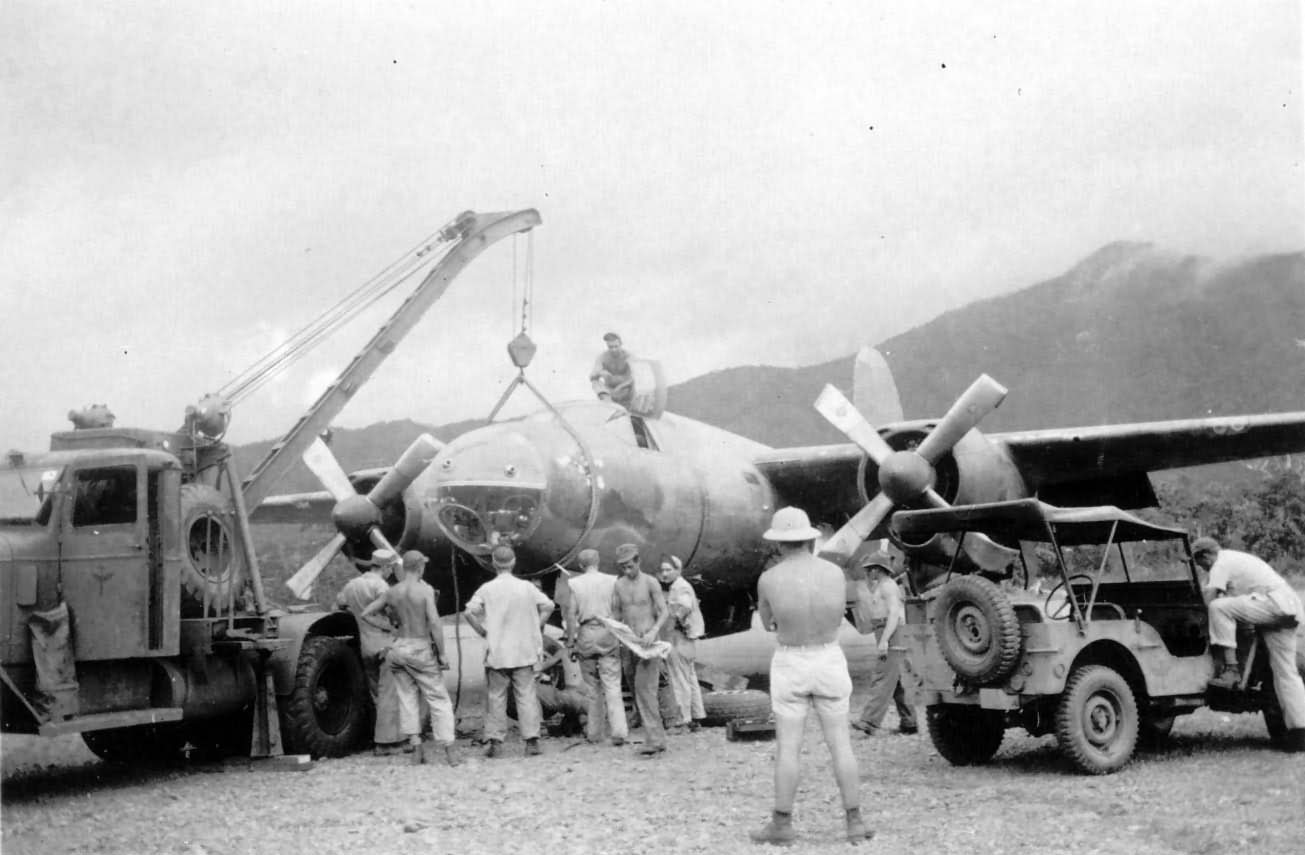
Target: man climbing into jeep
[(1241, 587)]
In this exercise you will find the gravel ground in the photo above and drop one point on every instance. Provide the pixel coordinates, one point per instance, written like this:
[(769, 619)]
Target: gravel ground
[(1217, 787)]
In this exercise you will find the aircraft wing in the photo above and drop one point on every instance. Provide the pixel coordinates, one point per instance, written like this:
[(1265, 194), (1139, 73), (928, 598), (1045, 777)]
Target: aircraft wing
[(1066, 455), (313, 507), (820, 479)]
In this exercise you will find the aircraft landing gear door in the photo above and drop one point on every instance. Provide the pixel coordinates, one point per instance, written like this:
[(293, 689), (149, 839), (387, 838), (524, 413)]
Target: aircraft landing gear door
[(104, 571)]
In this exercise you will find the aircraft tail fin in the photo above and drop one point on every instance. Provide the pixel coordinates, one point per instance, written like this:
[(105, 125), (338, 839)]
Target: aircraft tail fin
[(874, 392)]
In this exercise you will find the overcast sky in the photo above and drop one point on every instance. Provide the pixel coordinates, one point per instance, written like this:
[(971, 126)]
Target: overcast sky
[(185, 184)]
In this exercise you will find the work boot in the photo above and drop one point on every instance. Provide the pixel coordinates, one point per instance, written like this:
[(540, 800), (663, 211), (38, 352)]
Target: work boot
[(532, 747), (495, 748), (779, 831), (451, 755), (618, 741), (1228, 678), (694, 725), (385, 749), (652, 750), (856, 830)]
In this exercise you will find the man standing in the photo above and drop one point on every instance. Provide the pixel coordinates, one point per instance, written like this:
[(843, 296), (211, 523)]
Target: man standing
[(611, 377), (879, 610), (637, 602), (597, 649), (801, 599), (682, 629), (1243, 588), (375, 637), (508, 613), (417, 659)]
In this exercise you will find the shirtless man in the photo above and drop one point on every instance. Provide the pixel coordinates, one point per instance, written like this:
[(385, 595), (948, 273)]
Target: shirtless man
[(637, 602), (801, 599), (417, 657)]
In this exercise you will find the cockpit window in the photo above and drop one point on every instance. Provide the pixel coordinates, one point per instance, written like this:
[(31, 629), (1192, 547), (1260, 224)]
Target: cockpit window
[(105, 496)]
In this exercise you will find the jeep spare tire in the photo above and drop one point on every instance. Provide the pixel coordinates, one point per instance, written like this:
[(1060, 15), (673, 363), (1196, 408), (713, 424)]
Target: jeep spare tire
[(977, 631), (212, 562), (735, 704)]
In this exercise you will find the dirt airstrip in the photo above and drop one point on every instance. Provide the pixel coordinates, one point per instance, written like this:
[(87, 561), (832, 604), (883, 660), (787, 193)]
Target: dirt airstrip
[(1216, 787)]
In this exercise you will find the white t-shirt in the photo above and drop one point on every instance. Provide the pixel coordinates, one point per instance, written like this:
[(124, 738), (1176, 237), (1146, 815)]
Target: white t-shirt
[(508, 608), (1237, 573)]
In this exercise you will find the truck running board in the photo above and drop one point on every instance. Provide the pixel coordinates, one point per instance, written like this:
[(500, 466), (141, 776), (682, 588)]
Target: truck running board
[(104, 721)]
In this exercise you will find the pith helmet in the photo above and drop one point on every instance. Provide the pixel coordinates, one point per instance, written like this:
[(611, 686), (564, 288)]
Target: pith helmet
[(626, 552), (791, 524), (1206, 545)]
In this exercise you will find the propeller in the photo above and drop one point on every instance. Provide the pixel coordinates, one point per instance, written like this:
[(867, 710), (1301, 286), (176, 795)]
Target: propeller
[(356, 515), (909, 476)]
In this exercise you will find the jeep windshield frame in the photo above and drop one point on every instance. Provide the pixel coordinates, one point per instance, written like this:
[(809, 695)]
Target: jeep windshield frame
[(1034, 521)]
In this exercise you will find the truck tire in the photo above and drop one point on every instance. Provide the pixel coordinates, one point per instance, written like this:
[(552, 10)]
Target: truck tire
[(977, 630), (725, 706), (140, 745), (326, 712), (1097, 720), (964, 735), (212, 563)]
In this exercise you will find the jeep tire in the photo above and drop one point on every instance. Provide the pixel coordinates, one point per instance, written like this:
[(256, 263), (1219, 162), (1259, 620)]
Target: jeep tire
[(1097, 719), (977, 630), (964, 735), (728, 705), (327, 711)]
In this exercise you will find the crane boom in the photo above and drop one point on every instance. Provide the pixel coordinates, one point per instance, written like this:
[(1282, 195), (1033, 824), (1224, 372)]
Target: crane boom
[(472, 234)]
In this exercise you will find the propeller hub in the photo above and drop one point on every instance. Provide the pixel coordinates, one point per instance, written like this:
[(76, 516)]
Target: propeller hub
[(904, 476), (355, 515)]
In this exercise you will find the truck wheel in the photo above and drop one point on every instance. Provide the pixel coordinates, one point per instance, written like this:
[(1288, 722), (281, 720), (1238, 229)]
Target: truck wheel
[(1097, 721), (212, 563), (964, 735), (978, 633), (326, 712), (725, 706), (141, 745)]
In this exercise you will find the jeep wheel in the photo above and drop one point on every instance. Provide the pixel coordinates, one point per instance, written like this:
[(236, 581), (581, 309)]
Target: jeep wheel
[(964, 735), (978, 633), (326, 712), (1097, 721), (140, 745)]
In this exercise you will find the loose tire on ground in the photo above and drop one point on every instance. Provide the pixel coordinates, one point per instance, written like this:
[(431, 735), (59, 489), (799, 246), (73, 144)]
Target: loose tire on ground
[(141, 745), (1097, 720), (726, 706), (326, 712), (977, 630), (212, 563), (964, 735)]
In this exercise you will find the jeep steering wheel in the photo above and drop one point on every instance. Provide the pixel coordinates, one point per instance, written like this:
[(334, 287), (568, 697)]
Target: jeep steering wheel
[(1069, 592)]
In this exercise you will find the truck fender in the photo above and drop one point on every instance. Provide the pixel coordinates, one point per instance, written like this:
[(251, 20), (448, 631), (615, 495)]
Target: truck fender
[(295, 628)]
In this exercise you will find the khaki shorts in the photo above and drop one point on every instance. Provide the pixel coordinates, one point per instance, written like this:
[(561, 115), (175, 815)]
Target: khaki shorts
[(803, 677)]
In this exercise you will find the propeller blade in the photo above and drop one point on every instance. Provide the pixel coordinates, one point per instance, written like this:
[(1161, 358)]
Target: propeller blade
[(379, 540), (835, 407), (301, 583), (318, 458), (874, 392), (845, 541), (405, 470), (983, 396)]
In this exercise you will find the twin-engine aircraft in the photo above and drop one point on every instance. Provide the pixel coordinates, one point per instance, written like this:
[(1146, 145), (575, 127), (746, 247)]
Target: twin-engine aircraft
[(592, 474)]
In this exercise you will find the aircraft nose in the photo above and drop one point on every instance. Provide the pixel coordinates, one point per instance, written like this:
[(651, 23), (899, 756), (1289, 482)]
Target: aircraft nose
[(489, 492)]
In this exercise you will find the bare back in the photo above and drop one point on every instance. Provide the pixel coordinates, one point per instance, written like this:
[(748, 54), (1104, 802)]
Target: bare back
[(803, 599), (413, 604)]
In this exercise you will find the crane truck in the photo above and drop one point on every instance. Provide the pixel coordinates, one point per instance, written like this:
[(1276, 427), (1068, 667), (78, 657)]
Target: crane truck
[(132, 607)]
